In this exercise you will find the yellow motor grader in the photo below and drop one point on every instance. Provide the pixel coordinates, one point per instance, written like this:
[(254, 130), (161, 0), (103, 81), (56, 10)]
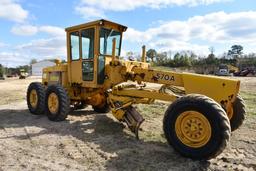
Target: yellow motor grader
[(198, 122)]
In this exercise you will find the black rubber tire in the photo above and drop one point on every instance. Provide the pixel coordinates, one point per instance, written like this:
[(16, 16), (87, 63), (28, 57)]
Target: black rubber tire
[(64, 103), (40, 90), (216, 116), (104, 109), (239, 113)]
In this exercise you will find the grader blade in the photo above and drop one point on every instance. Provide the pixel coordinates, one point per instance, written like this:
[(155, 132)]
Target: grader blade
[(133, 119)]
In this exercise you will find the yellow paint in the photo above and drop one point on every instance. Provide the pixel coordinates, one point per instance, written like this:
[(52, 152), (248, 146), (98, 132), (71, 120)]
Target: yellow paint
[(49, 72), (119, 114), (193, 129), (113, 50), (154, 94), (222, 90), (75, 67), (96, 100), (229, 110), (232, 68), (53, 103), (33, 98), (157, 76)]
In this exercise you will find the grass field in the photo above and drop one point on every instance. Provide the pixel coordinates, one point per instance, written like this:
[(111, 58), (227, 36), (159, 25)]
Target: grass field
[(250, 101)]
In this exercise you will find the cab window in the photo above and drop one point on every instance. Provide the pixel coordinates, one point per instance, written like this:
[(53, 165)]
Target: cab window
[(87, 67), (74, 45), (87, 43), (106, 37), (87, 37)]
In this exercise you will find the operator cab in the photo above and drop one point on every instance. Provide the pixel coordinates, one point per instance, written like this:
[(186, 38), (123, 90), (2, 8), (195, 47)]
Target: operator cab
[(89, 48)]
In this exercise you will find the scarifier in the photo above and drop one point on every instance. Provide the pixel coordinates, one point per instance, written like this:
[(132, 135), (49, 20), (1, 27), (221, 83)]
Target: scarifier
[(198, 122)]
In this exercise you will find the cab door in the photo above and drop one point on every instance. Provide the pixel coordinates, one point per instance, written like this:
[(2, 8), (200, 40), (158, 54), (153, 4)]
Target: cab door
[(82, 56), (87, 51), (75, 60)]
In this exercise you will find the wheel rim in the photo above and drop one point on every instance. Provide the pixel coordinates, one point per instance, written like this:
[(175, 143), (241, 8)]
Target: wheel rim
[(33, 99), (53, 103), (193, 129)]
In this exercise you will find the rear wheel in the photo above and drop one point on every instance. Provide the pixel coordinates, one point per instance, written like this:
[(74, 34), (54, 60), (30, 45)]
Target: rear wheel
[(239, 113), (35, 98), (57, 103), (197, 127)]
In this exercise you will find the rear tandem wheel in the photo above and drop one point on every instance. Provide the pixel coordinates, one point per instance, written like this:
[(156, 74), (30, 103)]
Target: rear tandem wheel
[(57, 103), (36, 98)]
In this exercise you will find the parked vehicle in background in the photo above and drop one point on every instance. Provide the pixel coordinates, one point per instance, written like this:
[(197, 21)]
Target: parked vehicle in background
[(246, 72), (223, 72), (23, 74)]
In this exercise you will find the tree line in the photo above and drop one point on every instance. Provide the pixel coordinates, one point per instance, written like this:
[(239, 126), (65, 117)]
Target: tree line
[(234, 57), (13, 70), (188, 59), (4, 70)]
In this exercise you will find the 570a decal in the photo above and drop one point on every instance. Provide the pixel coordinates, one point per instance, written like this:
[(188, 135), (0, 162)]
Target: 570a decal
[(166, 77)]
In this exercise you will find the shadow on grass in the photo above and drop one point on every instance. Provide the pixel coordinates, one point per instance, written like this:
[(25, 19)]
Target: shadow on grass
[(131, 154)]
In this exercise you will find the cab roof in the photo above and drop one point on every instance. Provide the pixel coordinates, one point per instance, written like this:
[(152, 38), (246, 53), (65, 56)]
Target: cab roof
[(101, 22)]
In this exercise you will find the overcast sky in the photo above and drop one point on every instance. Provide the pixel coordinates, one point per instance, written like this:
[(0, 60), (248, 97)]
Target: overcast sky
[(35, 28)]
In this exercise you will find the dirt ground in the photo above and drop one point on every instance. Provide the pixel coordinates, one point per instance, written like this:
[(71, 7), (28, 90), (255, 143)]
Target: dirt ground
[(89, 141)]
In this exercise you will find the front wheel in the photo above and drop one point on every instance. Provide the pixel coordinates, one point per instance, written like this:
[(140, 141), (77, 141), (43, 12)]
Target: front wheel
[(238, 114), (197, 127)]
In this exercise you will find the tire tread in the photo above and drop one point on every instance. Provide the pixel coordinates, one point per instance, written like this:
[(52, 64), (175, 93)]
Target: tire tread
[(239, 113), (64, 103), (40, 109), (222, 117)]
